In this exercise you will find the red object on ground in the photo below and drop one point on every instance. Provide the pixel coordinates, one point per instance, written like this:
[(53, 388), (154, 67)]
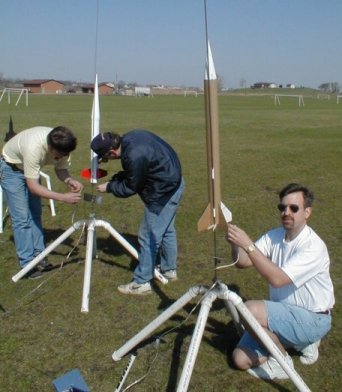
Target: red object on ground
[(86, 173)]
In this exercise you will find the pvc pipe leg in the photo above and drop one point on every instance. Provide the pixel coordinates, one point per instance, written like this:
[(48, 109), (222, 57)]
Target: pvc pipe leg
[(195, 342), (88, 268), (46, 251), (169, 312)]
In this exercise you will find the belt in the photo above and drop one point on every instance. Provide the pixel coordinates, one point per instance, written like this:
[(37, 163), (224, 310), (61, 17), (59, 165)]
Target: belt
[(13, 166), (323, 312)]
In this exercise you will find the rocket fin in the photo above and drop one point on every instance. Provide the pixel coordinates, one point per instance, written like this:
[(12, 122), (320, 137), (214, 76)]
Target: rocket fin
[(225, 216), (206, 220)]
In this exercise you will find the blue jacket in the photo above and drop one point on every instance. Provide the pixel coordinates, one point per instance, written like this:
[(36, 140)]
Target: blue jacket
[(151, 169)]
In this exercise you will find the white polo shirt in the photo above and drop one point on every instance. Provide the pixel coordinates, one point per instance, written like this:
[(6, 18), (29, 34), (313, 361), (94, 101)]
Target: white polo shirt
[(29, 151), (305, 260)]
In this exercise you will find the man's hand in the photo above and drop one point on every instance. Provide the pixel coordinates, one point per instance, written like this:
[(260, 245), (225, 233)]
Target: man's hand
[(72, 197), (102, 187), (239, 239), (274, 275), (237, 236), (74, 185)]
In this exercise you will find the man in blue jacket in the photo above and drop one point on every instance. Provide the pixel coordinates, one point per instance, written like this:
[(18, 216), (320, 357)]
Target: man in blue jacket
[(152, 170)]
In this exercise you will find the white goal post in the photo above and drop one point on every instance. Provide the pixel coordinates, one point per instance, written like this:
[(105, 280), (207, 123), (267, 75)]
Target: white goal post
[(338, 98), (10, 91), (190, 92), (299, 97)]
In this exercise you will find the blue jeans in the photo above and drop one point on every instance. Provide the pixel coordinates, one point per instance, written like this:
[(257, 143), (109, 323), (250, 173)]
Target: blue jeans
[(294, 326), (25, 210), (157, 238)]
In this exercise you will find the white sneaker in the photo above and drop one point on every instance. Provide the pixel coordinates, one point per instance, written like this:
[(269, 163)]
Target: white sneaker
[(135, 288), (271, 369), (310, 353), (170, 275)]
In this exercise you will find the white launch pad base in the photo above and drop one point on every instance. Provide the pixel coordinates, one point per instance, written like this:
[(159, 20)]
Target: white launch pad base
[(91, 225), (235, 306)]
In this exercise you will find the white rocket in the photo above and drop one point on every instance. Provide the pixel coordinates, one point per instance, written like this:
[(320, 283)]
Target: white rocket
[(95, 130)]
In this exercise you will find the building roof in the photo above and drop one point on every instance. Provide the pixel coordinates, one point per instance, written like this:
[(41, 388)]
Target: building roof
[(40, 81)]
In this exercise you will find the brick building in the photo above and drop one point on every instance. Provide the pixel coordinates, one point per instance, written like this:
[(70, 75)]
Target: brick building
[(44, 86)]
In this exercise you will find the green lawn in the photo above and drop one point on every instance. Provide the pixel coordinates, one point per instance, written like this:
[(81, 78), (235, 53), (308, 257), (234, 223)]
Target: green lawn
[(263, 147)]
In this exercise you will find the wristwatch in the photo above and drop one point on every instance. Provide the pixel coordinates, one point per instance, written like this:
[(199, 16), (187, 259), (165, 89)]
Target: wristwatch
[(250, 248)]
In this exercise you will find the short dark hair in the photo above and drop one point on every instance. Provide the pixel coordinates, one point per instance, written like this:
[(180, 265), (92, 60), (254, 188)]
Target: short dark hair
[(103, 142), (115, 139), (294, 187), (62, 139)]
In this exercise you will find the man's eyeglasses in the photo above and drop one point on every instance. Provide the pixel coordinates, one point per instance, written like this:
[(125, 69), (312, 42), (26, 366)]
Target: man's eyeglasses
[(293, 207)]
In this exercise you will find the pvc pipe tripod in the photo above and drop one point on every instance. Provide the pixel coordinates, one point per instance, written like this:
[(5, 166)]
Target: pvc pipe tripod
[(91, 224), (232, 302)]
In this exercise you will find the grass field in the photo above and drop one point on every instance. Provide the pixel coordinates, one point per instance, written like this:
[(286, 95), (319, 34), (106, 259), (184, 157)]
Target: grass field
[(263, 147)]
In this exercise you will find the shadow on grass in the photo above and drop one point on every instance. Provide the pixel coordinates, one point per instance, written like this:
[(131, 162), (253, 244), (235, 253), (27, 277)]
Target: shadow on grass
[(112, 247), (109, 246)]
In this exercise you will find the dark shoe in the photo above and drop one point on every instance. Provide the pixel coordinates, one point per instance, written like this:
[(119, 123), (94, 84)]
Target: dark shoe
[(34, 274), (44, 265)]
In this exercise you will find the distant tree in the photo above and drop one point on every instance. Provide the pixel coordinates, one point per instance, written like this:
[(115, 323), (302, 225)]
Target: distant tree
[(243, 83), (220, 82), (331, 87), (121, 84), (133, 84)]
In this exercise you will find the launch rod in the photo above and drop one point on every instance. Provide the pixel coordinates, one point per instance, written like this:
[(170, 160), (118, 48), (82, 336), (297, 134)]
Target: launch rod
[(211, 189), (216, 214), (208, 106)]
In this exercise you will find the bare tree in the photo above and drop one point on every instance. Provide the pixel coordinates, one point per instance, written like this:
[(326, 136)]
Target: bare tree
[(220, 83), (330, 87)]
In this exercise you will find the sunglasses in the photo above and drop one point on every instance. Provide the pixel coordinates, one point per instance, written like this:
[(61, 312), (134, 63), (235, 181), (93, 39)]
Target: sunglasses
[(293, 207)]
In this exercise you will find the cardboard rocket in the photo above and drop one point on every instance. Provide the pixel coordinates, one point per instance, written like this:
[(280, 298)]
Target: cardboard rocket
[(216, 213)]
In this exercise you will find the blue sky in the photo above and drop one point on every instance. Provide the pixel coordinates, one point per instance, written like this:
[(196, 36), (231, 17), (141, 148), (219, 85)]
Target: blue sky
[(163, 41)]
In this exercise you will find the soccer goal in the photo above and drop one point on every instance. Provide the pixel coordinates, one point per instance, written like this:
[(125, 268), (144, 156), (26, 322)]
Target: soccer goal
[(338, 98), (16, 91), (299, 97)]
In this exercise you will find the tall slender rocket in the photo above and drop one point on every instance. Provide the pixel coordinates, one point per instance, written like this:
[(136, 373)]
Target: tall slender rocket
[(95, 130), (216, 213)]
